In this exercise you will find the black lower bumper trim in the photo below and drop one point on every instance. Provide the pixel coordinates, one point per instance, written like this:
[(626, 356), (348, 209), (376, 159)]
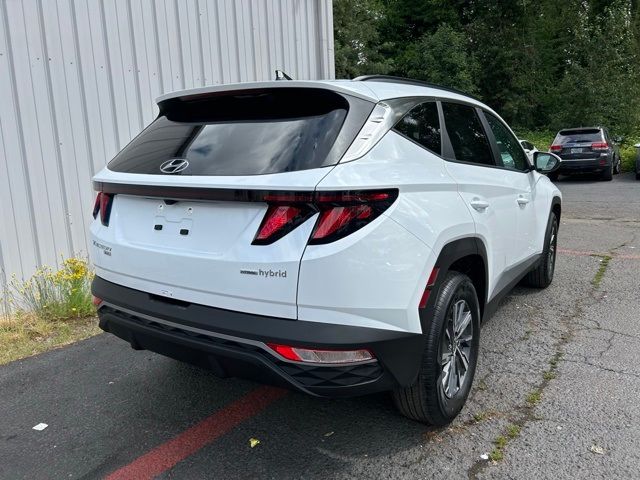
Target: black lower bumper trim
[(231, 343)]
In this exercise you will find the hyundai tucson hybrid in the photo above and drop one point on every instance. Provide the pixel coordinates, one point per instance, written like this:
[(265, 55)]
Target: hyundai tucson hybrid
[(586, 150), (337, 237)]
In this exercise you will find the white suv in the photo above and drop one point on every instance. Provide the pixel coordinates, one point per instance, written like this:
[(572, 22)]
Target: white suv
[(338, 237)]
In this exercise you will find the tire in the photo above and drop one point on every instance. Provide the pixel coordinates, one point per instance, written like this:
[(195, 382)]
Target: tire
[(542, 275), (637, 175), (429, 400), (607, 175)]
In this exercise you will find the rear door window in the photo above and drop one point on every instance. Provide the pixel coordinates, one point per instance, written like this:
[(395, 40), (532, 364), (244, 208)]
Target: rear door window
[(422, 125), (250, 132), (468, 139)]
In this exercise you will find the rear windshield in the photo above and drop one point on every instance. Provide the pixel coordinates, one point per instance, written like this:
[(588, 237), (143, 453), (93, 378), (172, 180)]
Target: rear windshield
[(578, 136), (248, 132)]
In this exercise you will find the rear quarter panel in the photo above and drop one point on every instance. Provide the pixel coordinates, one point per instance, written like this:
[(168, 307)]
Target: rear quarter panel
[(376, 276)]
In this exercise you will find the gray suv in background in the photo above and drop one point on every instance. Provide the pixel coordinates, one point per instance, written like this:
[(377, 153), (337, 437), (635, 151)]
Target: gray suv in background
[(586, 150)]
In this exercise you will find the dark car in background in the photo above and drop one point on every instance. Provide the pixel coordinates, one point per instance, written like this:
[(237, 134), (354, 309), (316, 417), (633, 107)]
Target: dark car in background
[(586, 150)]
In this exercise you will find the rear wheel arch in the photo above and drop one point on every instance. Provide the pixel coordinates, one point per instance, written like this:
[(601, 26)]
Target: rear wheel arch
[(466, 255)]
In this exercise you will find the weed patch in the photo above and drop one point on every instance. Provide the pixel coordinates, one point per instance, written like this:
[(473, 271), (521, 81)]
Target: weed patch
[(51, 309), (597, 278)]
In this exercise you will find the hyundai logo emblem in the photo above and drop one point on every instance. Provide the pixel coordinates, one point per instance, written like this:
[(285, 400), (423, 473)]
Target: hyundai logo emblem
[(175, 165)]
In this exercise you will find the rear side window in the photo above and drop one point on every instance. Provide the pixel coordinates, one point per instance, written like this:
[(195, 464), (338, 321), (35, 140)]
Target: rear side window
[(587, 135), (422, 125), (249, 132), (468, 139)]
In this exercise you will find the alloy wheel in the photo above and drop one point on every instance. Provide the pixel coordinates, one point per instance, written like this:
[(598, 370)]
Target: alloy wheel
[(456, 348), (551, 256)]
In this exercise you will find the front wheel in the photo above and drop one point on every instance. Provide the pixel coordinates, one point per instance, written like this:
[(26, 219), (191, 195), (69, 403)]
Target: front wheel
[(542, 275), (449, 358)]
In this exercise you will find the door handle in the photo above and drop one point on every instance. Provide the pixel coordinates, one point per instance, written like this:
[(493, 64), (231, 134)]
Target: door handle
[(479, 205), (522, 200)]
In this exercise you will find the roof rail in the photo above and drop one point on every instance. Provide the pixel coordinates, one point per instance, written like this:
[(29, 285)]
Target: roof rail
[(410, 81)]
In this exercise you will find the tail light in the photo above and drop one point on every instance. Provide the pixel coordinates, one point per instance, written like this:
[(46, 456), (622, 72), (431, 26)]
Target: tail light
[(286, 211), (102, 206), (340, 213), (343, 213), (555, 148), (599, 146), (309, 355)]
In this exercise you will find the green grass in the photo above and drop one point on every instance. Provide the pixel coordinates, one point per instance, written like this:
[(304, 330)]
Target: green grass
[(50, 309), (549, 375), (26, 334), (554, 360), (480, 416), (534, 397), (513, 430), (604, 263)]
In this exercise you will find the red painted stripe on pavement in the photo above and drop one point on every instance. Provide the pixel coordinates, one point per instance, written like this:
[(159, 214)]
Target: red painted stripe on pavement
[(167, 455)]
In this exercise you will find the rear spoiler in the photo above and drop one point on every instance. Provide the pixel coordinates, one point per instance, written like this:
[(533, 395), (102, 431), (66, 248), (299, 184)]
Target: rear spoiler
[(355, 89)]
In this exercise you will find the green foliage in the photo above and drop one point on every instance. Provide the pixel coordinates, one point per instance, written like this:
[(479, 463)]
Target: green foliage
[(357, 39), (542, 139), (441, 57), (543, 65), (55, 295), (628, 153)]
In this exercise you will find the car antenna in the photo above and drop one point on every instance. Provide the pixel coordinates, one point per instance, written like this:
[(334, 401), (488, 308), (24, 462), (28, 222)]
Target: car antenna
[(281, 75)]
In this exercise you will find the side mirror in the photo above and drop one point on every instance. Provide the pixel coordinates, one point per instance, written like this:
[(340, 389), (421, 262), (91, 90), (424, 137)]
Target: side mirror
[(546, 162)]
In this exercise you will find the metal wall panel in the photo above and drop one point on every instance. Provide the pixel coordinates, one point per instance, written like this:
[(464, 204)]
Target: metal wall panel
[(78, 79)]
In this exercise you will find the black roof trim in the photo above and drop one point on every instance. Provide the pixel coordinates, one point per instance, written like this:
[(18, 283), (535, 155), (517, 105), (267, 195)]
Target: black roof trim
[(411, 81)]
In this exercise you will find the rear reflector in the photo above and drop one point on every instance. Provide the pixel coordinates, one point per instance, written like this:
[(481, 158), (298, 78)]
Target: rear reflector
[(599, 146), (102, 206), (555, 148), (306, 355), (427, 290), (95, 300)]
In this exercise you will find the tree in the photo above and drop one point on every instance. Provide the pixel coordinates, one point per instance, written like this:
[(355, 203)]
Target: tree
[(442, 58), (357, 40), (539, 63)]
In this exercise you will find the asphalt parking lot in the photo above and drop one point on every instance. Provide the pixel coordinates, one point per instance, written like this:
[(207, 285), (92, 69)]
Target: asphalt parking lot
[(556, 393)]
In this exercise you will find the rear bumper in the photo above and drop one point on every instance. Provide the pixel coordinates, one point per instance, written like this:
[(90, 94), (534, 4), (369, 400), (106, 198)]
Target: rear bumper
[(587, 165), (234, 343)]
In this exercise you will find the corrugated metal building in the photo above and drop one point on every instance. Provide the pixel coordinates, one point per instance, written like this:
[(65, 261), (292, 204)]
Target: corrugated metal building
[(78, 79)]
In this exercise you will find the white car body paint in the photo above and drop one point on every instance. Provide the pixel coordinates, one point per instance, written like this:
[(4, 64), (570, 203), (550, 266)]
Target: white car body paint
[(373, 277)]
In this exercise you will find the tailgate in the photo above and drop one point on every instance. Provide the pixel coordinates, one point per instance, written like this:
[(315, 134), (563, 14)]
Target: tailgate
[(189, 200)]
